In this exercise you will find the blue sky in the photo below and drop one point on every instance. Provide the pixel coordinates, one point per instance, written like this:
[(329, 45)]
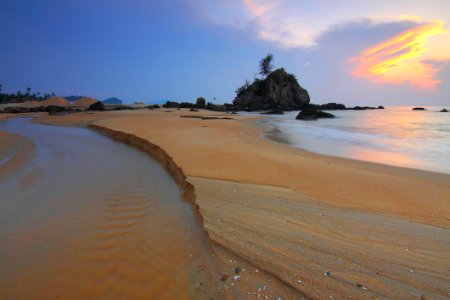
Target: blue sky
[(179, 49)]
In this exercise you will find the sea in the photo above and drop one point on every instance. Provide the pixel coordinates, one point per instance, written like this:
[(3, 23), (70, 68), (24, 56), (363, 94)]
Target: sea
[(396, 136)]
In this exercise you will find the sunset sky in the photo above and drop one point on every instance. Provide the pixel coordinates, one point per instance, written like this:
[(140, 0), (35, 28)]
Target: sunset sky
[(356, 52)]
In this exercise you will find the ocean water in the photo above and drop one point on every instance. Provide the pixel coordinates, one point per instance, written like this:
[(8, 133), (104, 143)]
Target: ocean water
[(396, 136)]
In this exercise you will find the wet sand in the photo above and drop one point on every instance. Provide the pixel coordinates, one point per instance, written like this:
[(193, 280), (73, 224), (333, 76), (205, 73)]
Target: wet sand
[(327, 227)]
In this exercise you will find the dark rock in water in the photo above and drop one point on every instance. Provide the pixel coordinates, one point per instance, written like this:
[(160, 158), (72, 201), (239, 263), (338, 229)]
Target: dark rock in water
[(331, 106), (443, 110), (380, 107), (362, 107), (418, 108), (97, 106), (274, 112), (311, 113), (112, 100), (279, 91)]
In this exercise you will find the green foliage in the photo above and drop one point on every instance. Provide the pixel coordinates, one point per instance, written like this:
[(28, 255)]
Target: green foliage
[(240, 90), (265, 65), (201, 102)]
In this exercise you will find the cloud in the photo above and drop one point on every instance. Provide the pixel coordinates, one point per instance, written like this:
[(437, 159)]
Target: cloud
[(404, 58)]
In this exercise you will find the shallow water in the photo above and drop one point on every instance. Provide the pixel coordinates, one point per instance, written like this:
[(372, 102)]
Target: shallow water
[(93, 218), (394, 136)]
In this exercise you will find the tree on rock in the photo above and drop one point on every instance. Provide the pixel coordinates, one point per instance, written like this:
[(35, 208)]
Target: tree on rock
[(265, 65)]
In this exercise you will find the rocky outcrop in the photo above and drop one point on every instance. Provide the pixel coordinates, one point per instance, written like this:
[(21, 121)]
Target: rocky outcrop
[(112, 100), (311, 113), (97, 106), (443, 110), (279, 91), (418, 108)]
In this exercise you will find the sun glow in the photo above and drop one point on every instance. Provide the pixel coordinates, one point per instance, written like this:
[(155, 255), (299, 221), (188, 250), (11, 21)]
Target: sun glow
[(405, 58)]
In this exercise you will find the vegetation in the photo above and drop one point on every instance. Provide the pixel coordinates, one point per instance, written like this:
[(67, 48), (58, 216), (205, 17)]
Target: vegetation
[(20, 97), (201, 102), (265, 65)]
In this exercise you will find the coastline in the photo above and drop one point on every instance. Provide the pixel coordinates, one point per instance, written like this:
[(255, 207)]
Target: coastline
[(177, 136)]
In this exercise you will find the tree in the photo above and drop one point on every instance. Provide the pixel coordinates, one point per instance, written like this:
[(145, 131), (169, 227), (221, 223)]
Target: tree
[(201, 102), (28, 91), (1, 88), (265, 65)]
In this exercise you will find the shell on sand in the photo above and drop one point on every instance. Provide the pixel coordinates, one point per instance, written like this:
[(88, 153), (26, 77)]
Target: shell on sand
[(85, 101)]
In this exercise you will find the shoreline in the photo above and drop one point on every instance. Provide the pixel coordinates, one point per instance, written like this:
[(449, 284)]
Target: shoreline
[(218, 210), (357, 163)]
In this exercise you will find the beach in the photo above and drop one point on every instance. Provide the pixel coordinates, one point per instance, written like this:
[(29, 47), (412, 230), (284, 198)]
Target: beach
[(324, 226)]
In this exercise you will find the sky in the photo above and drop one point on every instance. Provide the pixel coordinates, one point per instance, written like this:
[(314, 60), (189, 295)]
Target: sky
[(356, 52)]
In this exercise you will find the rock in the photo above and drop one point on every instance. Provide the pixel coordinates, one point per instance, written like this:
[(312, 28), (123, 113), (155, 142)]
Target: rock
[(331, 106), (279, 91), (193, 109), (274, 112), (310, 113), (237, 270), (97, 106), (362, 107), (187, 105), (443, 110), (171, 104), (418, 108), (380, 107), (112, 100), (154, 106), (327, 274)]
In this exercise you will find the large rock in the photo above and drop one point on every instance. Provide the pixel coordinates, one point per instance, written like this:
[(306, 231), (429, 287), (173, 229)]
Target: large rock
[(279, 91), (311, 113), (97, 106)]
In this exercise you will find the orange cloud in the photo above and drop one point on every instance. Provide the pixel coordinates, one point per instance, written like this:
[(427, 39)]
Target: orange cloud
[(404, 58)]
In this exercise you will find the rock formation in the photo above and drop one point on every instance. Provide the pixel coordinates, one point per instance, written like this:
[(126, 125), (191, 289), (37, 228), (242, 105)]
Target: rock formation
[(311, 113), (279, 91), (97, 106)]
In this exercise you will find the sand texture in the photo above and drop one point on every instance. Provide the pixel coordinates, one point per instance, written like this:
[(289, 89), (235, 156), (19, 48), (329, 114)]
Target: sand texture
[(84, 102), (324, 226)]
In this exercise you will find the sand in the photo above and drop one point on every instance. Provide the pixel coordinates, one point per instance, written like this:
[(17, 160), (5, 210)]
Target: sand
[(15, 152), (325, 226), (85, 101), (55, 101)]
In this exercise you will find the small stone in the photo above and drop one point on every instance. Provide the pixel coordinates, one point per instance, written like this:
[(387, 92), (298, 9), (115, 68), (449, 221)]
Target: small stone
[(411, 271), (327, 274), (236, 277), (256, 270), (237, 270)]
